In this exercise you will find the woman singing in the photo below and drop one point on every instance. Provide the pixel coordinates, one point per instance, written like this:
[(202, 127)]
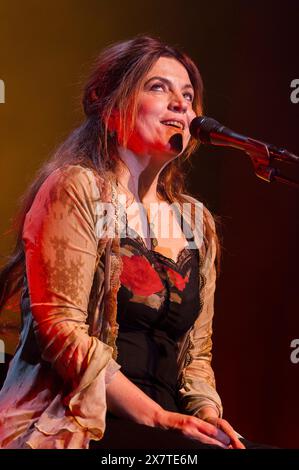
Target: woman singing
[(116, 266)]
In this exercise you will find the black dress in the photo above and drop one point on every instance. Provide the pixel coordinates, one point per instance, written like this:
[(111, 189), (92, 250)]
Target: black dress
[(158, 301)]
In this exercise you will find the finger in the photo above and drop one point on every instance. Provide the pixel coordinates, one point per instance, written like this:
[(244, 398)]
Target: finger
[(237, 444), (223, 436), (240, 445), (229, 430), (215, 432), (204, 439)]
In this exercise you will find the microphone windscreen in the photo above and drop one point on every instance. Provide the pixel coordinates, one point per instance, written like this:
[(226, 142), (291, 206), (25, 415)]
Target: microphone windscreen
[(201, 127)]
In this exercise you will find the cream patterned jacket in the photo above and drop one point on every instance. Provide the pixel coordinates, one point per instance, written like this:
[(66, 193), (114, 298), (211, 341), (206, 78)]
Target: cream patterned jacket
[(54, 394)]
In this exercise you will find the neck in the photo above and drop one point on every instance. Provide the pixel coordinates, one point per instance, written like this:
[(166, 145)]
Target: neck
[(139, 175)]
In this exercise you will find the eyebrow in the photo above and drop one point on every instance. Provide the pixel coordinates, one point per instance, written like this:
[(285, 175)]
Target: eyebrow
[(168, 82)]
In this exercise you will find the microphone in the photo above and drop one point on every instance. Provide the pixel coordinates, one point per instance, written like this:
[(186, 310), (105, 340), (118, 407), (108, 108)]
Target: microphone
[(210, 131)]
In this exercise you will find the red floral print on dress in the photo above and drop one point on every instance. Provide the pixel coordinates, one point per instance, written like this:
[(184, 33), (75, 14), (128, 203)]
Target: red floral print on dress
[(139, 276), (178, 281)]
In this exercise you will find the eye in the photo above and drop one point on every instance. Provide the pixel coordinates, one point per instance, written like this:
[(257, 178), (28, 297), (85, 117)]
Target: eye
[(156, 86), (189, 96)]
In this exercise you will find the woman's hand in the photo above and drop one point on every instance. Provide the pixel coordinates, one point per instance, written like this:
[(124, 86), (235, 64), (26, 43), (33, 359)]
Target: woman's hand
[(126, 400), (224, 425), (209, 415), (196, 428)]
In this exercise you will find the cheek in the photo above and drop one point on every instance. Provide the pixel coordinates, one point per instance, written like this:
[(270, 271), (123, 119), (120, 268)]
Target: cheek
[(149, 110), (144, 118)]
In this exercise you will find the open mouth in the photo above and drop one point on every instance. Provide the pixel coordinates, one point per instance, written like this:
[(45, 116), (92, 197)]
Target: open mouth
[(173, 123)]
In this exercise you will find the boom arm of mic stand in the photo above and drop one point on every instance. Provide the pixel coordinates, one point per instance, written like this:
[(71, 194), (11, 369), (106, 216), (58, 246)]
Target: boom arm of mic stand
[(262, 158)]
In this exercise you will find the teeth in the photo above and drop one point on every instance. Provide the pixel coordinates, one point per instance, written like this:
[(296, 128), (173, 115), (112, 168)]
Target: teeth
[(173, 123)]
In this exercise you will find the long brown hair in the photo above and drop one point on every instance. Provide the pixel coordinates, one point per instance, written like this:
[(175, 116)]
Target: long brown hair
[(115, 80)]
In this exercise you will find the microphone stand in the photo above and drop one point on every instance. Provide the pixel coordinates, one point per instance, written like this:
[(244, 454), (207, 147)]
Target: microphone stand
[(262, 156)]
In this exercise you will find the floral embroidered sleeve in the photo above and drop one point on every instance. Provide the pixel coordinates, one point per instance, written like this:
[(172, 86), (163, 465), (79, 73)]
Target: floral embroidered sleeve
[(198, 387), (61, 250)]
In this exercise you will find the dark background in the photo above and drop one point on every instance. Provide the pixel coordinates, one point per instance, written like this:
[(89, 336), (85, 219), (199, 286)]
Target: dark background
[(247, 53)]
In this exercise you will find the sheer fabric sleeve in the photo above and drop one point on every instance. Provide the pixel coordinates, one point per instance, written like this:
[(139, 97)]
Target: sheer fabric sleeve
[(60, 245), (198, 385)]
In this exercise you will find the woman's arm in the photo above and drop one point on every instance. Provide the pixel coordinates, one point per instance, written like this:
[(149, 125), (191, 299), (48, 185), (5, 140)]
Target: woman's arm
[(60, 245), (198, 381), (126, 400), (198, 393)]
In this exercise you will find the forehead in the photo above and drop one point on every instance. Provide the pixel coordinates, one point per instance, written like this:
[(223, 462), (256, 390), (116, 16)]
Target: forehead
[(171, 69)]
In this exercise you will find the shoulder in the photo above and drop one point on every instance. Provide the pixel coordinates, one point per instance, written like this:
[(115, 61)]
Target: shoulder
[(75, 182), (210, 247), (76, 176), (71, 190), (207, 217)]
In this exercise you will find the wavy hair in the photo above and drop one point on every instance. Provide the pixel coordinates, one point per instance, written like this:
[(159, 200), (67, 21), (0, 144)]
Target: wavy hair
[(114, 82)]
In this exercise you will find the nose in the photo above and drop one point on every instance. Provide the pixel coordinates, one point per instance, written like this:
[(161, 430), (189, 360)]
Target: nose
[(178, 103)]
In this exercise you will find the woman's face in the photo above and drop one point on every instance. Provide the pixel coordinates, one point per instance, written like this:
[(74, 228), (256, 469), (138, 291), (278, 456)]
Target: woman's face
[(164, 111)]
